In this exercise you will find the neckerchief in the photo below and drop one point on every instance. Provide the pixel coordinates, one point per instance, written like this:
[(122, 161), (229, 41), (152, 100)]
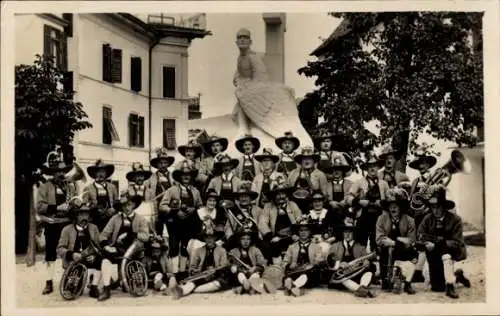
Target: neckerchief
[(288, 157), (303, 246), (139, 189), (248, 160), (348, 247), (326, 154), (163, 176), (338, 182), (127, 219), (227, 177), (101, 188), (372, 181)]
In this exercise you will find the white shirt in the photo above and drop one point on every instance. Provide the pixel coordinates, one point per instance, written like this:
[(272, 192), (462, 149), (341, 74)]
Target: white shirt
[(227, 177), (320, 216), (204, 213)]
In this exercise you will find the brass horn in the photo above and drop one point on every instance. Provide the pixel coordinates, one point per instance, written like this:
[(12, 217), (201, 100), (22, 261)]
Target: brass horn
[(76, 174), (133, 272)]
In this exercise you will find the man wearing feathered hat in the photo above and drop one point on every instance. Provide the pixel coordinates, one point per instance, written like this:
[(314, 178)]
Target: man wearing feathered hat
[(277, 218), (441, 234), (422, 162), (365, 197), (226, 181), (52, 207), (101, 194), (161, 180), (177, 211), (339, 186), (262, 181), (307, 178), (209, 257), (192, 153), (301, 259), (396, 233), (288, 144), (137, 181), (251, 256), (118, 235), (213, 147), (343, 252), (390, 156), (76, 237), (326, 144), (248, 167)]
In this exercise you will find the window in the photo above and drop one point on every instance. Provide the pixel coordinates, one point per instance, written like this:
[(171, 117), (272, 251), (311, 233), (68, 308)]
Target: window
[(136, 130), (109, 133), (111, 64), (135, 74), (169, 82), (54, 45), (169, 134)]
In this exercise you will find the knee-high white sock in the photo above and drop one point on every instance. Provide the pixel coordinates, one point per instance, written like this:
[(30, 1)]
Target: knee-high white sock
[(300, 281), (107, 272), (449, 272), (366, 279), (351, 285), (50, 267), (242, 278), (407, 268), (188, 288), (421, 261), (210, 287), (255, 275), (97, 277)]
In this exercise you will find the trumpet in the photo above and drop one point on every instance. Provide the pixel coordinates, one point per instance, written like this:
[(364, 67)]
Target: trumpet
[(443, 175)]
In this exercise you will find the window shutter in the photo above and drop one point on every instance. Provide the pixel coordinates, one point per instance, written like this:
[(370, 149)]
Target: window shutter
[(68, 81), (141, 131), (63, 51), (169, 134), (47, 41), (131, 129), (135, 74), (106, 132), (169, 82), (116, 67), (106, 62), (68, 30)]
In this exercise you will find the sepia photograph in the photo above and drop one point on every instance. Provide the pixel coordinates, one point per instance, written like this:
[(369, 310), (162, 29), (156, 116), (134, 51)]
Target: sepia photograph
[(259, 158)]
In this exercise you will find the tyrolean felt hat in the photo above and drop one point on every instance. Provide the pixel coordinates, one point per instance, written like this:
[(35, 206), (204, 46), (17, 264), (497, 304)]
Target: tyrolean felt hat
[(162, 153), (100, 165)]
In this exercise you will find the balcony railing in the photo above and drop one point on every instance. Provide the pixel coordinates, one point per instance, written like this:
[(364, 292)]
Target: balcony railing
[(196, 21)]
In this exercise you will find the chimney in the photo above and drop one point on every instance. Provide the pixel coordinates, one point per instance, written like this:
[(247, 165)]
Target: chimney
[(275, 45)]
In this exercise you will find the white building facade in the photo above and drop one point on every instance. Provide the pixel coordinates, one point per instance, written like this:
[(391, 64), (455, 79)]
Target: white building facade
[(130, 75)]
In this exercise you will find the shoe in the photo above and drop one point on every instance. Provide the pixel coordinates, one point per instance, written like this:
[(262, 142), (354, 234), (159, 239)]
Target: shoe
[(49, 287), (397, 287), (176, 292), (459, 274), (288, 284), (105, 294), (287, 292), (94, 291), (362, 291), (450, 291), (386, 286), (418, 277), (297, 291), (409, 289), (371, 294), (238, 290)]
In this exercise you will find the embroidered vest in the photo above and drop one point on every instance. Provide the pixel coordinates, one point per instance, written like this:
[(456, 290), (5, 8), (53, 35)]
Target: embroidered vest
[(338, 190)]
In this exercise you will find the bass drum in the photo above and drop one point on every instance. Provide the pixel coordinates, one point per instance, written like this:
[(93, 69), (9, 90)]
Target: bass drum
[(274, 276), (73, 281)]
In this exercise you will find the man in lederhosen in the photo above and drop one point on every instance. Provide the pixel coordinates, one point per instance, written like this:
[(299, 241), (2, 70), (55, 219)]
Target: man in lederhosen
[(118, 235), (423, 163), (213, 147), (441, 234), (307, 178), (396, 233), (75, 238), (179, 205), (325, 144), (101, 194), (302, 253), (225, 182), (389, 174), (338, 188), (262, 181), (248, 167), (192, 153), (137, 181), (288, 145), (52, 203), (277, 218), (160, 182), (365, 199)]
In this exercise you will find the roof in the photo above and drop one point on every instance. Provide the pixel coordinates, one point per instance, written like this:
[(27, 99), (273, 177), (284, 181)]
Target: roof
[(342, 30)]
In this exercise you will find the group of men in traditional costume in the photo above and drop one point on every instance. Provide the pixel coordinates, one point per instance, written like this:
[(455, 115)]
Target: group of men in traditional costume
[(239, 219)]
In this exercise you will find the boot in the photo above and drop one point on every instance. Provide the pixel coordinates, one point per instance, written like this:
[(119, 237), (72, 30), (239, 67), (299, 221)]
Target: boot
[(238, 290), (105, 294), (450, 291), (418, 277), (297, 291), (362, 291), (459, 274), (398, 281), (176, 292), (49, 287), (409, 289), (94, 291)]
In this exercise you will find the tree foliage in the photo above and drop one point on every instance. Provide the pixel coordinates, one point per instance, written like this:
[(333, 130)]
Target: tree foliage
[(412, 72), (46, 115)]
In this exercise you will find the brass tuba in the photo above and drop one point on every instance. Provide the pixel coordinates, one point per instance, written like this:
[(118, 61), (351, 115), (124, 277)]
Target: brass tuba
[(133, 272), (354, 268), (457, 164)]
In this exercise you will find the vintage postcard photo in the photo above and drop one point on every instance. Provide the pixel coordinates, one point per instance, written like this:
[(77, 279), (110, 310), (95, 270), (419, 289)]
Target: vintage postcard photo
[(242, 159)]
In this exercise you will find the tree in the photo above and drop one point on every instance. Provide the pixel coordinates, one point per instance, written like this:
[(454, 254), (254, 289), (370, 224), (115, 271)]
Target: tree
[(413, 73), (46, 115)]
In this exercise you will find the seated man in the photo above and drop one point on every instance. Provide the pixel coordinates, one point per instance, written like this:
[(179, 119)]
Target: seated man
[(302, 259), (440, 234), (249, 263), (208, 269), (118, 235), (75, 238), (342, 253), (395, 235), (156, 264)]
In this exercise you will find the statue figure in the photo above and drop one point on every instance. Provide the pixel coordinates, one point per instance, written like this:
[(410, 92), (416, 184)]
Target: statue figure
[(268, 105)]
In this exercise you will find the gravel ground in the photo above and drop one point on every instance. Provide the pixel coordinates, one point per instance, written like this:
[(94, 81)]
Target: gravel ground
[(30, 282)]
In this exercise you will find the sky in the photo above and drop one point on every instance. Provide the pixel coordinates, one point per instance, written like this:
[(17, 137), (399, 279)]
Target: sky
[(212, 60)]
